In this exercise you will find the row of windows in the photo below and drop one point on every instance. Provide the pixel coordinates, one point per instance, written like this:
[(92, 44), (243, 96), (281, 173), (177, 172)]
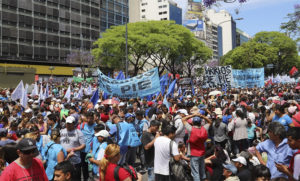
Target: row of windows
[(163, 12)]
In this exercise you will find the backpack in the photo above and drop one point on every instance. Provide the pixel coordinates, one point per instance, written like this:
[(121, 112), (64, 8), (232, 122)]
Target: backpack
[(178, 170), (128, 169)]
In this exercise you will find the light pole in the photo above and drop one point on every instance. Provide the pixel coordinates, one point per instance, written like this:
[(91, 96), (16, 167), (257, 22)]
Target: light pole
[(126, 51)]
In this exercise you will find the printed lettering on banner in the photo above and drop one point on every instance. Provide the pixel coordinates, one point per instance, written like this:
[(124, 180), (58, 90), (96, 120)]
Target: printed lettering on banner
[(138, 86), (248, 78), (217, 77)]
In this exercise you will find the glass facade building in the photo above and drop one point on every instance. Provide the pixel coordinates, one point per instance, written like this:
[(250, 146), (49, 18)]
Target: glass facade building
[(46, 31)]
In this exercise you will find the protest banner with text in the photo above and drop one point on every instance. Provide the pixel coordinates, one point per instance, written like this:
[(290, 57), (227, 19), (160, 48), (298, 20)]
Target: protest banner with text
[(138, 86), (217, 77), (248, 78)]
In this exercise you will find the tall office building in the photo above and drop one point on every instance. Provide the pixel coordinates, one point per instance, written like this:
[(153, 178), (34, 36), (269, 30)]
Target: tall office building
[(228, 25), (145, 10), (46, 31)]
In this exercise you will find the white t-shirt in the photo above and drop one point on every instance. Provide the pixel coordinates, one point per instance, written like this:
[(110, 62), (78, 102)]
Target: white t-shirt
[(162, 155), (296, 167)]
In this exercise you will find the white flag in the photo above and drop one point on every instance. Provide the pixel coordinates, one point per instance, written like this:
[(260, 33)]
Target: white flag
[(88, 91), (17, 93), (68, 94), (35, 90), (41, 93), (24, 98), (80, 93)]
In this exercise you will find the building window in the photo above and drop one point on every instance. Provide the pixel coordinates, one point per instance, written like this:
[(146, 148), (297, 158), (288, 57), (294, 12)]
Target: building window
[(164, 19), (143, 16), (144, 4), (159, 0), (164, 6), (165, 12), (143, 10), (159, 7)]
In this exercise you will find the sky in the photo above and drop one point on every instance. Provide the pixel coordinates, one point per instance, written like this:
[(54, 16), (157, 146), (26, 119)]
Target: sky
[(258, 15)]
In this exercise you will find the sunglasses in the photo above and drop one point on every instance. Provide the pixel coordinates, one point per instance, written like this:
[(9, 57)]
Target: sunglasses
[(27, 152)]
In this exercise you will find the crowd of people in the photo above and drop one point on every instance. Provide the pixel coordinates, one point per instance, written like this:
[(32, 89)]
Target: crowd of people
[(240, 134)]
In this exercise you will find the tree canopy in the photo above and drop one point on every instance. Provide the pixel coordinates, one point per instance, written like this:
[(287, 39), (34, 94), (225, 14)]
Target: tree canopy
[(161, 44), (265, 48)]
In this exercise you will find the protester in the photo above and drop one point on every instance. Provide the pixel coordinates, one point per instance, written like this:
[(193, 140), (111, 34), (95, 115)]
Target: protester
[(72, 140), (108, 166), (277, 149), (26, 166), (162, 153), (229, 172), (64, 171), (53, 153), (148, 139), (293, 171)]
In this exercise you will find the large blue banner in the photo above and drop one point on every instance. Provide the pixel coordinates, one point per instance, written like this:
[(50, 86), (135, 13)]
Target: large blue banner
[(138, 86), (248, 77)]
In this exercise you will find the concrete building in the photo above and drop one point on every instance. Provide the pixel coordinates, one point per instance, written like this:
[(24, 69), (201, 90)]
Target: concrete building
[(145, 10), (241, 37), (44, 32), (228, 28)]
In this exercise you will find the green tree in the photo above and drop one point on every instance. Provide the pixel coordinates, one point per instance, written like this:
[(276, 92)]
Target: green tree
[(265, 48), (159, 44)]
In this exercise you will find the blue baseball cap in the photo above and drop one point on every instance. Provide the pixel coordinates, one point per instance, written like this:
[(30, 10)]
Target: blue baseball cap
[(202, 106), (129, 115), (197, 119), (230, 167)]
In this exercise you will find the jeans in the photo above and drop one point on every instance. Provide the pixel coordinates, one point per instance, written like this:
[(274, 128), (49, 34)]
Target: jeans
[(131, 156), (198, 168), (151, 176), (159, 177), (84, 166)]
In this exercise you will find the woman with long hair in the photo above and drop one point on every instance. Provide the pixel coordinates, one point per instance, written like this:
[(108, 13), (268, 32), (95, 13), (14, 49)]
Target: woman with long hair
[(109, 163), (53, 153)]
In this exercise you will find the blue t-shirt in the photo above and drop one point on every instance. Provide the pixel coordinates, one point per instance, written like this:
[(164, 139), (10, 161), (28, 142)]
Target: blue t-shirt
[(51, 157), (226, 118), (284, 120), (88, 133), (251, 131)]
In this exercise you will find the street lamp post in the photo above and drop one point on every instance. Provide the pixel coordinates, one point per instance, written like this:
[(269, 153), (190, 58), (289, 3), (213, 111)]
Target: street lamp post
[(126, 51)]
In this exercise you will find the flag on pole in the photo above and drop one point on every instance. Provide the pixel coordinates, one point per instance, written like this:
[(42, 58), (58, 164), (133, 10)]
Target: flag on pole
[(179, 91), (193, 89), (80, 93), (120, 76), (41, 93), (68, 94), (88, 91), (165, 102), (293, 71), (171, 87), (24, 98), (18, 92), (95, 97), (46, 95), (35, 90)]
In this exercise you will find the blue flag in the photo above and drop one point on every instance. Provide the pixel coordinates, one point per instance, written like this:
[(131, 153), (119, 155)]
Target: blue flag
[(179, 91), (120, 76), (149, 97), (104, 95), (95, 97), (165, 102), (193, 90), (171, 87)]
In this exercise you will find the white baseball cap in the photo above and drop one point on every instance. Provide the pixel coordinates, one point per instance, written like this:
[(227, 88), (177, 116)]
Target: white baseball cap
[(70, 119), (241, 160), (28, 110), (102, 133), (183, 111)]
